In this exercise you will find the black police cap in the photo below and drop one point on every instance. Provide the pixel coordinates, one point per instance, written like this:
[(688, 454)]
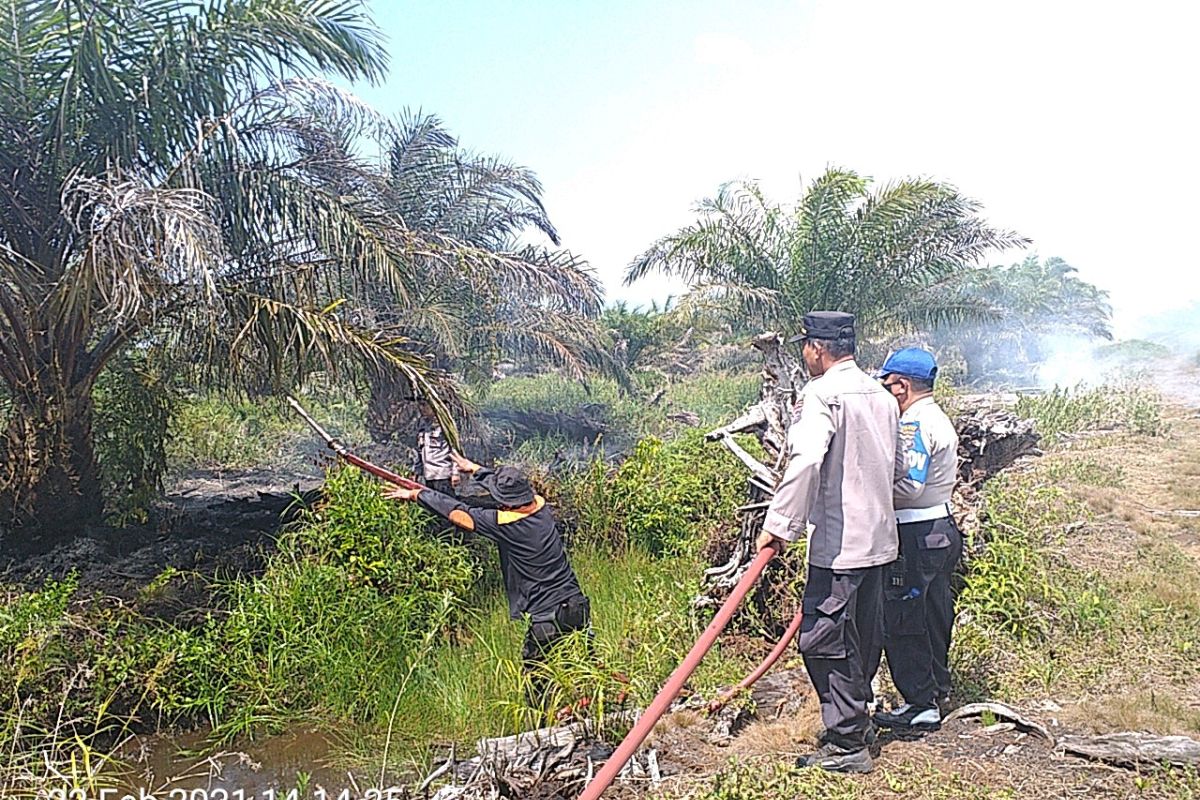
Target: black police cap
[(825, 325)]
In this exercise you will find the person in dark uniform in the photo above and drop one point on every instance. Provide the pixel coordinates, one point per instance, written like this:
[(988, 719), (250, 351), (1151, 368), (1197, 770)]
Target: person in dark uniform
[(538, 579), (918, 606), (837, 492)]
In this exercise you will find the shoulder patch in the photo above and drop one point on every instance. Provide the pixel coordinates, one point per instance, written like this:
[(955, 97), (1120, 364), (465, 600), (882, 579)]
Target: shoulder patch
[(917, 454)]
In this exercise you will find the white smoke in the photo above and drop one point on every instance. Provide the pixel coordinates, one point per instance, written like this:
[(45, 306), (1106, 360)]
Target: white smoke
[(1163, 352)]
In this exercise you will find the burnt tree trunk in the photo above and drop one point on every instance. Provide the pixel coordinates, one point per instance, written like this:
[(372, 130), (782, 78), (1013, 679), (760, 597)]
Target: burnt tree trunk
[(49, 476)]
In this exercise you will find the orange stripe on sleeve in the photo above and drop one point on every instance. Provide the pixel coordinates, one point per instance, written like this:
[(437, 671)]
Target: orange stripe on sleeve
[(462, 519)]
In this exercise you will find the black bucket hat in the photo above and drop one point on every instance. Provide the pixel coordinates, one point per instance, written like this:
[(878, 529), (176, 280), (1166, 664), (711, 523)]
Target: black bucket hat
[(508, 486)]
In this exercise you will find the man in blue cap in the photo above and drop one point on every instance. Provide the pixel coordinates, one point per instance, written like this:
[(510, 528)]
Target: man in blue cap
[(918, 605), (837, 491)]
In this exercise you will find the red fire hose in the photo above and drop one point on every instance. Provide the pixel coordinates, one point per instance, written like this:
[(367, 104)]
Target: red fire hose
[(666, 695), (350, 458), (761, 669)]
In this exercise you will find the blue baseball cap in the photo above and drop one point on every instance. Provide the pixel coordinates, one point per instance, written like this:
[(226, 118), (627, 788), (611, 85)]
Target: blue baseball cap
[(911, 362)]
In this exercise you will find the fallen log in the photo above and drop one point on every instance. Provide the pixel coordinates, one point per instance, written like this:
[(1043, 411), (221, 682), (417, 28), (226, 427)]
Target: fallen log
[(991, 437), (558, 736), (1134, 749)]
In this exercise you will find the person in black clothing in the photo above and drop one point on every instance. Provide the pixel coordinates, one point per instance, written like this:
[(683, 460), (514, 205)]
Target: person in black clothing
[(538, 579)]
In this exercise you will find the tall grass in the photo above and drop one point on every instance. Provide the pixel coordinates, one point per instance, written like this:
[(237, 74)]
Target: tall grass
[(211, 430), (1064, 411), (62, 719), (471, 686)]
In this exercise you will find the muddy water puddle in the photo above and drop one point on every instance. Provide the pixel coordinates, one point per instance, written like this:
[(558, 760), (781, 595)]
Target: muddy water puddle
[(272, 767)]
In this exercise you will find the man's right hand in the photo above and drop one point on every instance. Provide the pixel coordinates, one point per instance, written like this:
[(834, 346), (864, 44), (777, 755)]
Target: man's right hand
[(400, 493), (766, 540)]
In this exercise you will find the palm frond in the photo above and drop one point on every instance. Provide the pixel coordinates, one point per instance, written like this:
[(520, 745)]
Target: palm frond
[(877, 253), (139, 243)]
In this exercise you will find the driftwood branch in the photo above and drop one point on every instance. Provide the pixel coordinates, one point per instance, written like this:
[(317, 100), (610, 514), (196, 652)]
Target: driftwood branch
[(757, 468), (1134, 749), (522, 744), (1001, 711), (751, 418)]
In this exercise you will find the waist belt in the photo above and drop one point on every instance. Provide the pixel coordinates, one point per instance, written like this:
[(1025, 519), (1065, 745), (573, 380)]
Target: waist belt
[(906, 515)]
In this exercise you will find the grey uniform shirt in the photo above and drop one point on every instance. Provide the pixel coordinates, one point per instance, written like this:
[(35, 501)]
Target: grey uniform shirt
[(436, 463), (929, 456), (842, 461)]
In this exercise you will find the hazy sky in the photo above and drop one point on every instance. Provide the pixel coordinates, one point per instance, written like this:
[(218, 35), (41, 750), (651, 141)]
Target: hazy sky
[(1074, 123)]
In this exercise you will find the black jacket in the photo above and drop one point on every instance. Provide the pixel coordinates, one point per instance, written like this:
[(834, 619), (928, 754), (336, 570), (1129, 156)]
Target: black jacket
[(537, 575)]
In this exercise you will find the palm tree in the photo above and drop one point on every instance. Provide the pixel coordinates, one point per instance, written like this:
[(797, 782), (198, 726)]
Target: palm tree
[(159, 186), (527, 300), (1033, 300), (886, 254), (521, 297)]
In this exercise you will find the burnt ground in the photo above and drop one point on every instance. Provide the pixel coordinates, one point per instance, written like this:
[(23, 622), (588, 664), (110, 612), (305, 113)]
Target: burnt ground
[(962, 760), (210, 524)]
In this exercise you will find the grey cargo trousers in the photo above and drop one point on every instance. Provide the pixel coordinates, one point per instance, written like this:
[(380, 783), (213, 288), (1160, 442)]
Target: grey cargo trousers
[(841, 640)]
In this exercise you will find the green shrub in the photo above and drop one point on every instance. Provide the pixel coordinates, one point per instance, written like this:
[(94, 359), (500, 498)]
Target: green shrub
[(666, 497), (1009, 581), (134, 402), (30, 626), (379, 542)]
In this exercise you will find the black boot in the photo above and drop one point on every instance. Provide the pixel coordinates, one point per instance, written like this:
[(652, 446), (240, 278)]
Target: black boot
[(838, 754)]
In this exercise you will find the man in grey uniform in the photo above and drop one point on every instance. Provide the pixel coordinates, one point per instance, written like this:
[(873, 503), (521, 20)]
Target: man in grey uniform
[(435, 463), (838, 488), (918, 600)]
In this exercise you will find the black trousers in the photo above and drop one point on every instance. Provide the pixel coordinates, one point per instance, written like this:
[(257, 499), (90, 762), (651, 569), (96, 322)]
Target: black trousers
[(919, 610), (572, 615), (841, 639)]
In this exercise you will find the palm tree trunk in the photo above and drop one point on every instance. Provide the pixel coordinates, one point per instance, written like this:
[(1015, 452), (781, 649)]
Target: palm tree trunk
[(49, 476)]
